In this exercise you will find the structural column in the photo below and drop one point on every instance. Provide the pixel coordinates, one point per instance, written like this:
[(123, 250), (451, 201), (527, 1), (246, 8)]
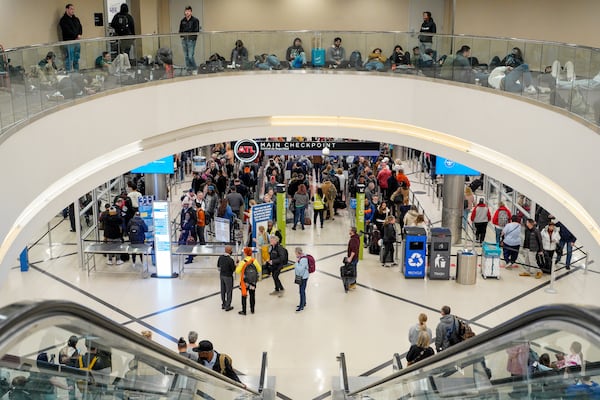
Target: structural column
[(156, 185), (453, 205)]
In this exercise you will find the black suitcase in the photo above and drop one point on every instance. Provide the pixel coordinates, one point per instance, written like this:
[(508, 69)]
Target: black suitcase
[(347, 275)]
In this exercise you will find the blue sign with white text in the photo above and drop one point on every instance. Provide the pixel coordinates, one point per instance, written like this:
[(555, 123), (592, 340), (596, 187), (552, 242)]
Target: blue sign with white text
[(162, 166), (444, 166)]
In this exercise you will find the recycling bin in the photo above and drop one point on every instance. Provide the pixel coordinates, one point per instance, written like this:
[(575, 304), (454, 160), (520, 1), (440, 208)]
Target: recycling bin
[(414, 248), (466, 267), (439, 253), (490, 260)]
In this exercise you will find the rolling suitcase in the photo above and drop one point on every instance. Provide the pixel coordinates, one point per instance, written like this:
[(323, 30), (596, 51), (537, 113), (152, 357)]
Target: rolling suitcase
[(347, 275), (317, 52), (374, 246)]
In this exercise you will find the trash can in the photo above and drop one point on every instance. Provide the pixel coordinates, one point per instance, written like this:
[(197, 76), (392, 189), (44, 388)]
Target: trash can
[(490, 260), (414, 252), (439, 253), (466, 267)]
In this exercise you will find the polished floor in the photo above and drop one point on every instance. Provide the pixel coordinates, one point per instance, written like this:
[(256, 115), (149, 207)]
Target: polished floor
[(368, 324)]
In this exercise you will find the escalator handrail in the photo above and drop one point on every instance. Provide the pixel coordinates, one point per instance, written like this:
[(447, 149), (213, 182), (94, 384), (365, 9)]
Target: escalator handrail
[(586, 316), (28, 312)]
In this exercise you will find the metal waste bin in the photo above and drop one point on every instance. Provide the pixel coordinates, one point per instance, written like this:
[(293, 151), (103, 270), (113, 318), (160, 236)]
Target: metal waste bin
[(466, 267), (439, 253), (413, 252)]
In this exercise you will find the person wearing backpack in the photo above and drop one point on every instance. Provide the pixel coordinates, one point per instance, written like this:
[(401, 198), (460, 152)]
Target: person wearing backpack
[(301, 270), (249, 270), (137, 229), (124, 25), (501, 218), (219, 362), (444, 329)]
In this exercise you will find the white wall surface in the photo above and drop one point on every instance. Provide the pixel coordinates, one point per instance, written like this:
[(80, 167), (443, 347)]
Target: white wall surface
[(53, 160)]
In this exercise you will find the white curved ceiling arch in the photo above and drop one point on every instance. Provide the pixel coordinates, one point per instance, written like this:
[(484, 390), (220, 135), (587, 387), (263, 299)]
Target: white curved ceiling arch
[(54, 159)]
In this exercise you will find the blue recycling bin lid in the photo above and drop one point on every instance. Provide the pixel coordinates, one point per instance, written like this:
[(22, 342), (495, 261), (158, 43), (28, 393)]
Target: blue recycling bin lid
[(415, 231)]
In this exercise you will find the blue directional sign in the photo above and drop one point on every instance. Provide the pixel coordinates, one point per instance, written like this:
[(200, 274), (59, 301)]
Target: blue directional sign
[(444, 166)]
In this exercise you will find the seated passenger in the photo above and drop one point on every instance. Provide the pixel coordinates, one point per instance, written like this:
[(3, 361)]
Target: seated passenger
[(375, 61), (239, 54), (48, 64), (295, 54), (458, 67), (267, 62), (104, 61), (515, 80), (514, 58), (336, 54), (399, 57)]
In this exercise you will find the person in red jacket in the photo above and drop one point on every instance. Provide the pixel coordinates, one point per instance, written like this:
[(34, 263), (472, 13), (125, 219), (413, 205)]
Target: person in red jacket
[(480, 216), (502, 216)]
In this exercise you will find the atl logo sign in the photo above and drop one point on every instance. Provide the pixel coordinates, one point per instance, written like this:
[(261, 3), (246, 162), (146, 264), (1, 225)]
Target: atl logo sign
[(246, 150)]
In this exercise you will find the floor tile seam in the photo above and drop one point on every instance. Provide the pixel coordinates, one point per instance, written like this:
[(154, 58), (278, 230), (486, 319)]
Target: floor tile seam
[(104, 303), (522, 295)]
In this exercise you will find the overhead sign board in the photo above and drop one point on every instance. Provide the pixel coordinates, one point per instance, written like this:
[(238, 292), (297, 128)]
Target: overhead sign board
[(444, 166)]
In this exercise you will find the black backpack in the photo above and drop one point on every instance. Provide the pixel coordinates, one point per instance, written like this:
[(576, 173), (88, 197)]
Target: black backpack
[(121, 25), (251, 273), (355, 60)]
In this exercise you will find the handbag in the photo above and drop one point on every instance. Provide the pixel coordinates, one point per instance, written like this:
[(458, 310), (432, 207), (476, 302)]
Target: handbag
[(540, 260), (298, 280)]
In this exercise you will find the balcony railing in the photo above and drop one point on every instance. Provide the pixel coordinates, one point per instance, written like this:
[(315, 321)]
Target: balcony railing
[(26, 90)]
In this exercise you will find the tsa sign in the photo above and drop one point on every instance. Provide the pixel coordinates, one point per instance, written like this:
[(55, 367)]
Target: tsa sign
[(444, 166)]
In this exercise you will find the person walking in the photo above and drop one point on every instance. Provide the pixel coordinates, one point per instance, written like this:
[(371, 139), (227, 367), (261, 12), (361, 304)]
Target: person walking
[(249, 270), (226, 267), (480, 216), (510, 240), (278, 257), (301, 271)]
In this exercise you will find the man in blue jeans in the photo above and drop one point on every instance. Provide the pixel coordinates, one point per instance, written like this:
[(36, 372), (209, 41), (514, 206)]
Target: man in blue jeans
[(189, 24), (566, 238), (71, 30)]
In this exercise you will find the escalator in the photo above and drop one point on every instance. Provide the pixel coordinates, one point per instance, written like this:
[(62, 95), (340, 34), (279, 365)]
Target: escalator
[(507, 362), (126, 366)]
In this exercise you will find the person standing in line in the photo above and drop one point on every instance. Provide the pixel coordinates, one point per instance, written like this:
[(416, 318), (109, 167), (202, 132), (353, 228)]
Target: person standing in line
[(533, 246), (428, 27), (71, 29), (301, 270), (124, 25), (443, 328), (276, 262), (389, 238), (469, 203), (248, 281), (226, 267), (352, 257), (550, 238), (413, 332), (189, 24), (318, 206), (566, 238), (511, 242), (301, 200), (502, 216), (480, 216)]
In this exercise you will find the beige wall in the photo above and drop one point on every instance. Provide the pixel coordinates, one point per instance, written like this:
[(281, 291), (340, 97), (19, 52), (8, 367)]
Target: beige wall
[(572, 21), (356, 15), (29, 22)]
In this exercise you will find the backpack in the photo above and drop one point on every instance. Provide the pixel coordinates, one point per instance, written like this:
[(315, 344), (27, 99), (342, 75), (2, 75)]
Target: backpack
[(502, 218), (355, 60), (312, 266), (331, 192), (461, 330), (250, 273), (121, 25)]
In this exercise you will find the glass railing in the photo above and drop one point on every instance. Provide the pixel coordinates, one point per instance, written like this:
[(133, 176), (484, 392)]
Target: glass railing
[(549, 352), (26, 89), (112, 361)]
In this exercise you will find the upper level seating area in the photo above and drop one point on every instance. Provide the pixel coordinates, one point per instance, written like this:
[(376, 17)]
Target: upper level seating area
[(564, 76)]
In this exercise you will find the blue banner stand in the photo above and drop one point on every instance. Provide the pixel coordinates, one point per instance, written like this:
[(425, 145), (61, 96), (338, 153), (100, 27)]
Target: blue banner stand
[(24, 260)]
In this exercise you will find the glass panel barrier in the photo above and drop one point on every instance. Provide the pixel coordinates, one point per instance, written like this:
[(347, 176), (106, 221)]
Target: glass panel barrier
[(550, 352), (141, 59), (38, 359)]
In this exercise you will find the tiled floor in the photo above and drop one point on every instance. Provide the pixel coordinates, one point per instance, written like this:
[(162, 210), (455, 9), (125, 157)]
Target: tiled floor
[(368, 324)]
